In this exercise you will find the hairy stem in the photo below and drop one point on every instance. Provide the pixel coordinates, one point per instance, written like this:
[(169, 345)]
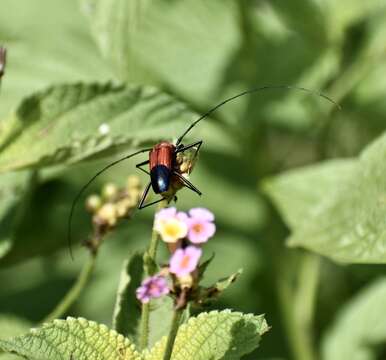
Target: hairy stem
[(149, 269), (75, 290), (173, 333)]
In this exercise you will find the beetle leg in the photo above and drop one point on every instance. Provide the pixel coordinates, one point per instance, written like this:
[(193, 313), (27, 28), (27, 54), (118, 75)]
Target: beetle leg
[(152, 203), (139, 166), (187, 183), (144, 196), (198, 144)]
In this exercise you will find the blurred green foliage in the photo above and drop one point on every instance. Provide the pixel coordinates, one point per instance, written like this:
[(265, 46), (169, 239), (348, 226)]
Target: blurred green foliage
[(146, 69)]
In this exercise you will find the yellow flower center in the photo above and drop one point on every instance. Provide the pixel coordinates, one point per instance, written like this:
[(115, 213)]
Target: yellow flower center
[(172, 230)]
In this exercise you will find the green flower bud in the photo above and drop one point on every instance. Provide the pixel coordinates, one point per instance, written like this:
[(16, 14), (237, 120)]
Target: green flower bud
[(109, 191), (93, 203)]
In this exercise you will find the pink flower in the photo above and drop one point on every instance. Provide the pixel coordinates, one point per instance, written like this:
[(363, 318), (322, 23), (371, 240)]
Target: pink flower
[(185, 261), (171, 225), (152, 287), (201, 226)]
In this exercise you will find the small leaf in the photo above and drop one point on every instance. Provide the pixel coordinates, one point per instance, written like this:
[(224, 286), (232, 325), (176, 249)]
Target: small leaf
[(72, 338), (160, 319), (216, 335), (63, 123), (127, 309), (360, 326), (223, 284), (202, 267), (220, 286)]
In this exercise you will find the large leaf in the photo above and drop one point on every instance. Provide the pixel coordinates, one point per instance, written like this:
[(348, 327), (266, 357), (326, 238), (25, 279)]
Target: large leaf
[(11, 325), (300, 194), (63, 123), (114, 23), (13, 187), (195, 70), (48, 42), (72, 338), (360, 326), (216, 335), (347, 223)]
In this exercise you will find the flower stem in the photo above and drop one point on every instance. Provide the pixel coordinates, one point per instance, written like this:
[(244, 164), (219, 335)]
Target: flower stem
[(173, 333), (75, 290), (149, 262)]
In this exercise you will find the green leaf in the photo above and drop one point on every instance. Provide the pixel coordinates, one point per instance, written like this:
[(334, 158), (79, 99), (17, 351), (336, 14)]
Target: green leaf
[(62, 124), (12, 191), (48, 42), (127, 308), (160, 319), (114, 23), (203, 266), (11, 325), (72, 338), (347, 221), (340, 15), (161, 39), (300, 194), (224, 283), (216, 335), (220, 286), (360, 326)]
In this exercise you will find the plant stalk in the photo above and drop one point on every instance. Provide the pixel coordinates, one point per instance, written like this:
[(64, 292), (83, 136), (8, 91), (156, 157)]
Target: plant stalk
[(75, 290), (173, 333), (149, 269), (298, 307)]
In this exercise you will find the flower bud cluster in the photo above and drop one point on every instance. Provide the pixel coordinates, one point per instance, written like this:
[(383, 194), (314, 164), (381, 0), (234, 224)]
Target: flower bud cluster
[(112, 205), (185, 161)]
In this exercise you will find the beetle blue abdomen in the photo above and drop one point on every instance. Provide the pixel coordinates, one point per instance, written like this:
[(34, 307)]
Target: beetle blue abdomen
[(160, 178)]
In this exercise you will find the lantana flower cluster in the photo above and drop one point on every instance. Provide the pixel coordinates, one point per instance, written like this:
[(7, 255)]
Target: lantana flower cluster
[(184, 233)]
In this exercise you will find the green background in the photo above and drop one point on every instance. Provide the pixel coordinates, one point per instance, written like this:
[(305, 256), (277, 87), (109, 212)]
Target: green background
[(200, 52)]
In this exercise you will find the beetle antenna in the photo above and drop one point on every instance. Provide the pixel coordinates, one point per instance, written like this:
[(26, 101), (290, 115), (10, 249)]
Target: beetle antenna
[(251, 91), (83, 189)]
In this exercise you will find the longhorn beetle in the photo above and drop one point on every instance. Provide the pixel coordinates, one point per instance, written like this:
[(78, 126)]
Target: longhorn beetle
[(162, 157)]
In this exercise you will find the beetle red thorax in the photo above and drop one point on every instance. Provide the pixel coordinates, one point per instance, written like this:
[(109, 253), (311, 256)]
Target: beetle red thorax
[(162, 154), (161, 161)]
